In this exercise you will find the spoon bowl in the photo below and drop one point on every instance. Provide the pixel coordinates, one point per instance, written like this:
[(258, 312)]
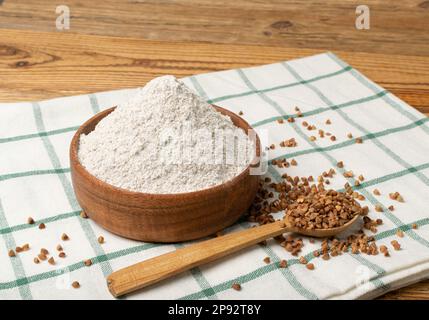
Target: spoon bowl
[(321, 233)]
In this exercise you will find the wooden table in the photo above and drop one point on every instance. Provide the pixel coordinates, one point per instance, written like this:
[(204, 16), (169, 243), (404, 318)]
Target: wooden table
[(113, 45)]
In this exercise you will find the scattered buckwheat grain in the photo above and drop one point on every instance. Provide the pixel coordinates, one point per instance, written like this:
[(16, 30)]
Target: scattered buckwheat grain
[(396, 196), (290, 143), (42, 257), (384, 250), (64, 237), (100, 239), (267, 260), (30, 220), (393, 195), (310, 266), (376, 192), (283, 264), (395, 244), (11, 253), (348, 174), (51, 261), (236, 286), (76, 285), (378, 208)]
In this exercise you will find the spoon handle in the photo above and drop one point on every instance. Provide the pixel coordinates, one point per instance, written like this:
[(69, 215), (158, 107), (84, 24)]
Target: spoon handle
[(167, 265)]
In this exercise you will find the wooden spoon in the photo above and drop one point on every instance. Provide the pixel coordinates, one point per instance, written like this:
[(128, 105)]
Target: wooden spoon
[(153, 270)]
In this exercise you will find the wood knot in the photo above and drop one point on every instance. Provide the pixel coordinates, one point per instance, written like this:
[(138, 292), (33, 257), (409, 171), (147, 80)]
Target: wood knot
[(7, 51), (424, 4), (282, 25), (21, 64)]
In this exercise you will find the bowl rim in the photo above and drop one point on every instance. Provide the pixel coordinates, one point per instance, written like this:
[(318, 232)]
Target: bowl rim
[(76, 165)]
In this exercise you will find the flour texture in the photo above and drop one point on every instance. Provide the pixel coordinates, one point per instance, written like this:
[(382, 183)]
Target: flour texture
[(165, 139)]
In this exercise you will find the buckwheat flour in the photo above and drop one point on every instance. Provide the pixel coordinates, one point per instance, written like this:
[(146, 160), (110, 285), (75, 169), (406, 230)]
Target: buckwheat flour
[(165, 139)]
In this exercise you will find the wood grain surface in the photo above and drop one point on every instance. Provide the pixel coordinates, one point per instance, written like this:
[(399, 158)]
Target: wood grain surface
[(327, 24), (41, 65), (120, 44)]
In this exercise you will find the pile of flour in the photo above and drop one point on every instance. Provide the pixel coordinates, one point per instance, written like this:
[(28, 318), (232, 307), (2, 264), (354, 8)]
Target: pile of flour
[(165, 139)]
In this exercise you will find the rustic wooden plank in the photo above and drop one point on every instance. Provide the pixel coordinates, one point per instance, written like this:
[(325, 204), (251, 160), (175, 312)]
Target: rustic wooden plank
[(40, 65), (398, 27), (37, 65), (417, 291)]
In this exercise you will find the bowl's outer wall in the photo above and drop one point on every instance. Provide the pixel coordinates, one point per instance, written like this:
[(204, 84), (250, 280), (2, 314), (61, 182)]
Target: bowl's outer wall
[(161, 218)]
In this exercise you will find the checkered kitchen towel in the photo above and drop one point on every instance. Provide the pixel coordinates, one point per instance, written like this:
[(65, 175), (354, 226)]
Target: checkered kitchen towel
[(394, 156)]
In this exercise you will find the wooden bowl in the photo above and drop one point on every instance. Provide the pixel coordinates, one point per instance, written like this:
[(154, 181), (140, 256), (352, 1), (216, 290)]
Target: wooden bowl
[(161, 217)]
